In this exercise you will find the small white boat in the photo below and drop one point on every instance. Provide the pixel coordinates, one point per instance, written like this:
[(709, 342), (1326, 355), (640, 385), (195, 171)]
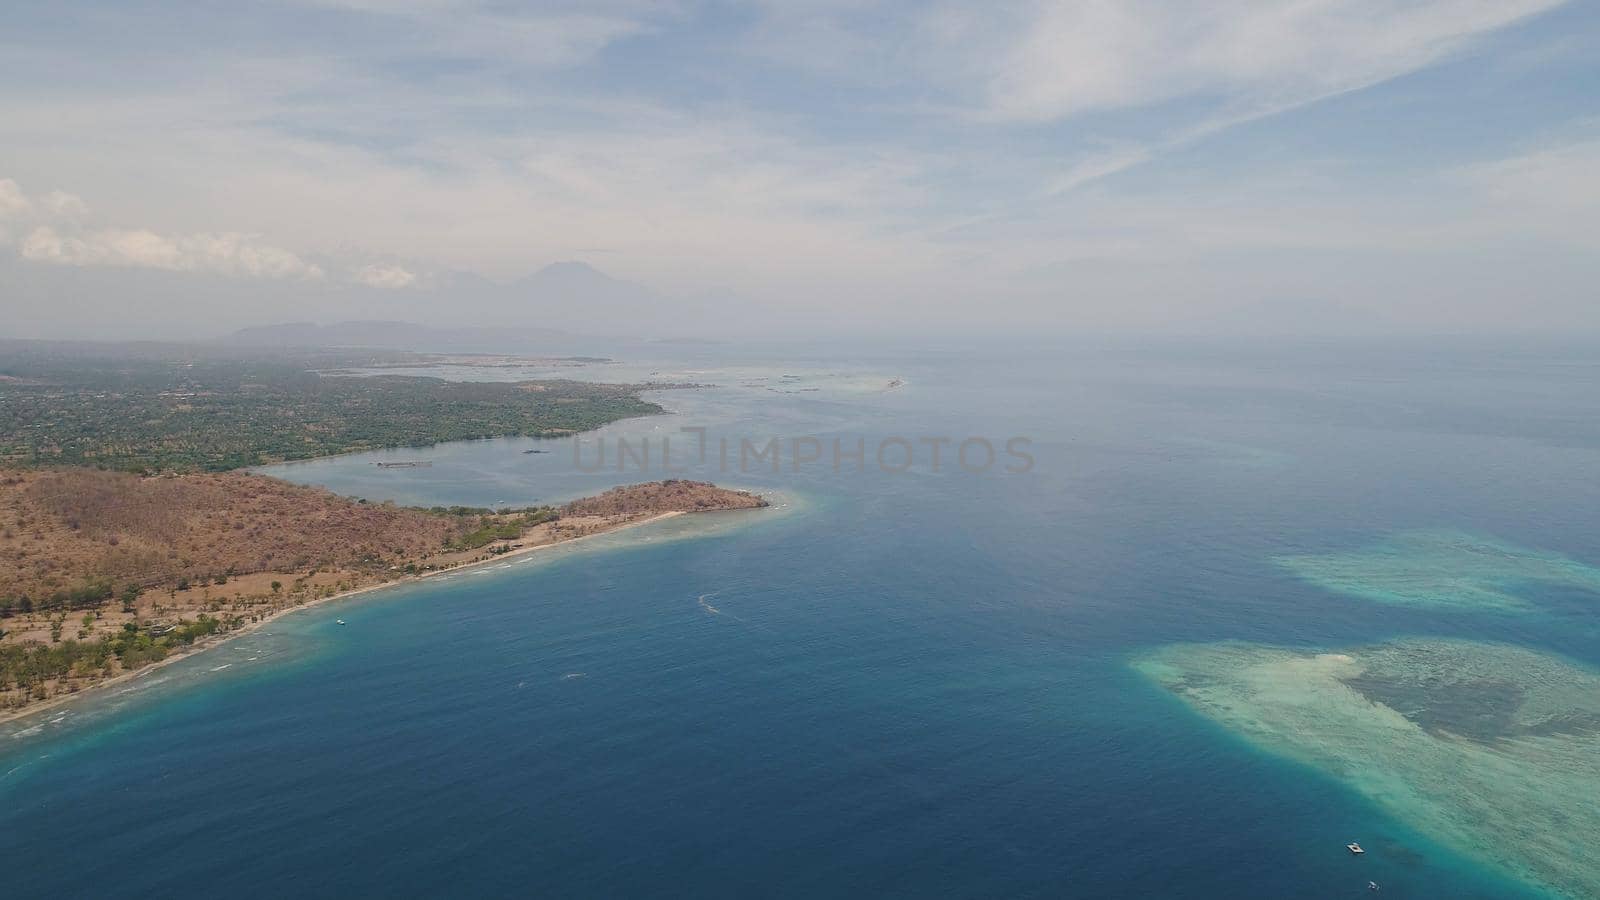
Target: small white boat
[(341, 622), (1354, 848), (1372, 885)]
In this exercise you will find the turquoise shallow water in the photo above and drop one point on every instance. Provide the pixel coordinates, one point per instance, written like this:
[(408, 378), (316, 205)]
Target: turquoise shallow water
[(912, 684), (1487, 747)]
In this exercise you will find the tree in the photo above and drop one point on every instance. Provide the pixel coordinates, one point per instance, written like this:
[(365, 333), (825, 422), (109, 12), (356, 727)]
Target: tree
[(130, 596), (277, 586)]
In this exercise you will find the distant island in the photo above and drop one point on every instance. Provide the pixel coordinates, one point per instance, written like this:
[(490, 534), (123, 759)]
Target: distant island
[(105, 573)]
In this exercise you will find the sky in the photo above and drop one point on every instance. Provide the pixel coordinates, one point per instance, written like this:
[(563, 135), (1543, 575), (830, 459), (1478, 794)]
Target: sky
[(1038, 167)]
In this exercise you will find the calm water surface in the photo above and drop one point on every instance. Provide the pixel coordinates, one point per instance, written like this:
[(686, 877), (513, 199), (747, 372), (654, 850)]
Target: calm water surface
[(910, 684)]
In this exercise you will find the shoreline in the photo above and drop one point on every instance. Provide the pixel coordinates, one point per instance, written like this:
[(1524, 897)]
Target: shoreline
[(257, 468), (204, 645)]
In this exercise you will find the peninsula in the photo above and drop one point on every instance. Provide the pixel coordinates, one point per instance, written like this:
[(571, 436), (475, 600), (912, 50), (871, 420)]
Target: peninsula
[(104, 573)]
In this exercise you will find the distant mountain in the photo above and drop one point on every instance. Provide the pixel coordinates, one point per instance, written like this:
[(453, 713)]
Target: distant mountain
[(565, 308), (570, 306), (578, 297), (573, 278)]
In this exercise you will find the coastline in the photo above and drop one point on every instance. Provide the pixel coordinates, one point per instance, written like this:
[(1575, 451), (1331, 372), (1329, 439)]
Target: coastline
[(205, 644)]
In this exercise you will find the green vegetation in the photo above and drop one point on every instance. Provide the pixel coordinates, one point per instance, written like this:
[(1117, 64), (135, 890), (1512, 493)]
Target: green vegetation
[(182, 410), (89, 595), (505, 529), (31, 664)]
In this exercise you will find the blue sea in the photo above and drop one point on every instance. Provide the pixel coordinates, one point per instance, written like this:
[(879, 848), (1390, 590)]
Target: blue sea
[(901, 681)]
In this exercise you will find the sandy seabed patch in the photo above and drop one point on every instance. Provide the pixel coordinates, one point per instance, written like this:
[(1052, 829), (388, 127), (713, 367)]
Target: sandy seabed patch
[(1442, 569), (1491, 749)]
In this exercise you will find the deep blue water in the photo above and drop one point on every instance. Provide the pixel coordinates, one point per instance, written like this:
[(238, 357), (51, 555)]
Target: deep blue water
[(907, 684)]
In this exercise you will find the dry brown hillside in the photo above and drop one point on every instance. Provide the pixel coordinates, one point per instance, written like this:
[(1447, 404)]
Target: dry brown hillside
[(61, 529), (672, 495), (64, 529), (102, 573)]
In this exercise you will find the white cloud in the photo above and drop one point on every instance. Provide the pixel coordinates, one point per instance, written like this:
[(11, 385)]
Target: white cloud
[(831, 149), (1162, 74), (1090, 55), (1097, 166), (61, 205), (53, 233), (1553, 190), (722, 166), (547, 38), (553, 41), (14, 204), (222, 253), (1564, 176), (380, 275)]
